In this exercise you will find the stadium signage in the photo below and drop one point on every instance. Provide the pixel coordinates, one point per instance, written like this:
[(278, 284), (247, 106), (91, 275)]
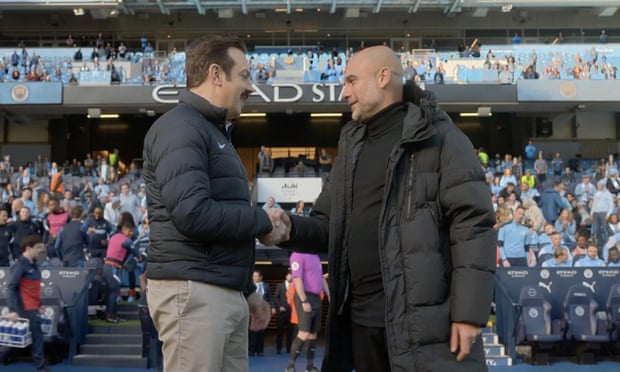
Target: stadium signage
[(268, 93)]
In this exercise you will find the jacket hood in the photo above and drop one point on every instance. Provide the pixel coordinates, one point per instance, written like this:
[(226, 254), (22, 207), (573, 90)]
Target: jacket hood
[(420, 127)]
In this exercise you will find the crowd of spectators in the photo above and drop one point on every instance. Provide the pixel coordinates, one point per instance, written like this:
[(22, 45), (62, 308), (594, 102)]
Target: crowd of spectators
[(554, 213), (314, 64), (96, 57), (41, 197)]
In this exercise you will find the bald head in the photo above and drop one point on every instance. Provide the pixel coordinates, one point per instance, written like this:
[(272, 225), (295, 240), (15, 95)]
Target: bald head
[(373, 81)]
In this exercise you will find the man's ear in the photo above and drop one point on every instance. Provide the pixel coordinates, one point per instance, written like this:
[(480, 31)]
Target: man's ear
[(214, 73), (384, 76)]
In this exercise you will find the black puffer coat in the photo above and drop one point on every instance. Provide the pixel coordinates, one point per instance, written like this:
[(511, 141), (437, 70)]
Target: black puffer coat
[(202, 226), (436, 242)]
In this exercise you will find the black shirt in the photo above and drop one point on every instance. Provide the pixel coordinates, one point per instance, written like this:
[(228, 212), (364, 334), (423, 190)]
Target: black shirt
[(368, 297)]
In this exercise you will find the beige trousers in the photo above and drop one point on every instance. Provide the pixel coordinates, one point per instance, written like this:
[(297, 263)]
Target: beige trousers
[(203, 327)]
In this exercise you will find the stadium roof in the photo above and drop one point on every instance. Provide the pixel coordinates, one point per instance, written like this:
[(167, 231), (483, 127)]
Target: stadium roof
[(350, 8)]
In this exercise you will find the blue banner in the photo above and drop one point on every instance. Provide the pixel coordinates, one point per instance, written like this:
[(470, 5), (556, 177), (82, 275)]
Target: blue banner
[(35, 93), (568, 91)]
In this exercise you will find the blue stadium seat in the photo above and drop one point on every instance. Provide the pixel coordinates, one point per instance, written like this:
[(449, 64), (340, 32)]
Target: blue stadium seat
[(580, 313), (53, 320), (535, 321), (613, 311)]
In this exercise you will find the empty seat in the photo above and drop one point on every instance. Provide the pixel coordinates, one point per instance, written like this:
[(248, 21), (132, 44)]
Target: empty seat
[(536, 324), (580, 313), (53, 318), (613, 311)]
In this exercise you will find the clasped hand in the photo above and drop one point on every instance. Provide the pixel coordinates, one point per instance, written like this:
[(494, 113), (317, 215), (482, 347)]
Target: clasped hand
[(281, 227)]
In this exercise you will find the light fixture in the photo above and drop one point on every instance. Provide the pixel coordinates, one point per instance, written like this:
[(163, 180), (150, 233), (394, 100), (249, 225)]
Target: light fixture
[(474, 114), (78, 11), (326, 115), (103, 116), (264, 263), (506, 8), (280, 10), (253, 115)]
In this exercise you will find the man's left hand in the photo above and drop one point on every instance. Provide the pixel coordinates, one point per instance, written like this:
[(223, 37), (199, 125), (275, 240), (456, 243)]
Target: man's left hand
[(260, 312), (462, 338)]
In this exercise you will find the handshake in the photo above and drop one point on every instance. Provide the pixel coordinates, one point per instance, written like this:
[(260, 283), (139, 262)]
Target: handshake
[(281, 230)]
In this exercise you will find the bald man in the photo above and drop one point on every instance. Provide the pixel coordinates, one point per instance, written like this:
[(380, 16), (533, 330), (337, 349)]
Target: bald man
[(408, 223)]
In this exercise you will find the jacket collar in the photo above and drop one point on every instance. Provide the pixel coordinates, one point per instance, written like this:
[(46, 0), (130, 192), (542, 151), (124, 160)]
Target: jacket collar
[(216, 115)]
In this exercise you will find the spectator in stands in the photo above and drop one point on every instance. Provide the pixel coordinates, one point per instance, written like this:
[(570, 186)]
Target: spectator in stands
[(143, 41), (24, 298), (329, 73), (610, 164), (551, 202), (533, 215), (299, 209), (265, 161), (557, 164), (530, 73), (540, 166), (613, 182), (24, 179), (560, 259), (98, 230), (27, 199), (516, 39), (525, 192), (507, 178), (602, 207), (565, 226), (112, 210), (73, 80), (591, 259), (89, 166), (71, 240), (94, 55), (148, 49), (325, 161), (506, 76), (614, 257), (15, 75), (101, 189), (271, 203), (188, 217), (68, 202), (5, 177), (261, 74), (6, 235), (121, 50), (585, 190), (603, 37), (129, 201), (409, 73), (438, 77)]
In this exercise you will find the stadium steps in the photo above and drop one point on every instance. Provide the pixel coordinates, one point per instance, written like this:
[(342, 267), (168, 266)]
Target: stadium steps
[(114, 345), (494, 352)]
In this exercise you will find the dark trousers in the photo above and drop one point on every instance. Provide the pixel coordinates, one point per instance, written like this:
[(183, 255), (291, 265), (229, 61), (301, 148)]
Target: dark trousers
[(111, 275), (257, 342), (284, 328), (370, 352), (38, 357)]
